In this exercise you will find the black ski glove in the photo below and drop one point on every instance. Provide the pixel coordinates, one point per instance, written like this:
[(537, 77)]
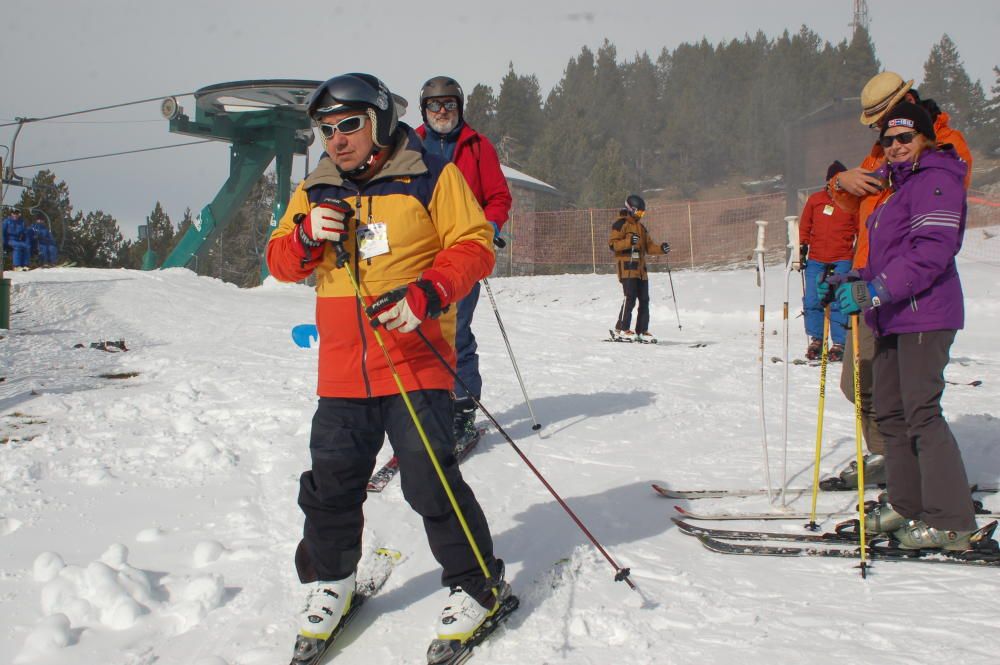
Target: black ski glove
[(803, 253), (635, 239), (665, 246)]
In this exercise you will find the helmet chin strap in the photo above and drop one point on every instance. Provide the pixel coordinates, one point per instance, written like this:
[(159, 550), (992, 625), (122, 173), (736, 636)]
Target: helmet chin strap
[(363, 167)]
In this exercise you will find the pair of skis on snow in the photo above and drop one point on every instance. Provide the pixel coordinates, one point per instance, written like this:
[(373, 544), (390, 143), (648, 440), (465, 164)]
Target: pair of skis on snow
[(691, 495), (310, 651), (985, 550)]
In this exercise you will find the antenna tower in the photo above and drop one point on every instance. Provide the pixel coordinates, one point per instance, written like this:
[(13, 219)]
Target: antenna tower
[(860, 15)]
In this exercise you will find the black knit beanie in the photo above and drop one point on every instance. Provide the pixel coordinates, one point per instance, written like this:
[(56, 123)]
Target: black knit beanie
[(905, 114), (834, 169)]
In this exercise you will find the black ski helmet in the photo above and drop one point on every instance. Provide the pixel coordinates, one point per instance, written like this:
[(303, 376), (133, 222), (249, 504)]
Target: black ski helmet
[(441, 86), (634, 204), (358, 91)]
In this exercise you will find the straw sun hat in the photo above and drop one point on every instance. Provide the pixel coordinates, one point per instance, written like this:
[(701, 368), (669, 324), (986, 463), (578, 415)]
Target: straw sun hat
[(881, 93)]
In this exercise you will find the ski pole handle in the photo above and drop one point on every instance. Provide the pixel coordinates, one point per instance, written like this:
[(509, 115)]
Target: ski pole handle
[(761, 224), (792, 223)]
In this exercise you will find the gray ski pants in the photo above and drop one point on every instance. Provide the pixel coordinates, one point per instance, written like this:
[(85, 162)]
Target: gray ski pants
[(924, 469)]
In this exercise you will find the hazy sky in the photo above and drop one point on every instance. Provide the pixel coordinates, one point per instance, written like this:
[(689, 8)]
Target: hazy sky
[(63, 56)]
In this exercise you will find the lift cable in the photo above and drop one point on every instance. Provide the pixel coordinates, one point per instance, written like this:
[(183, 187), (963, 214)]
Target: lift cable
[(100, 108), (115, 154)]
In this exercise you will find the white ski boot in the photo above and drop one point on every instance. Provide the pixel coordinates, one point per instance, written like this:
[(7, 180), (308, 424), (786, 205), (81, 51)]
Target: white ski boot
[(463, 615), (326, 603), (624, 335), (645, 338)]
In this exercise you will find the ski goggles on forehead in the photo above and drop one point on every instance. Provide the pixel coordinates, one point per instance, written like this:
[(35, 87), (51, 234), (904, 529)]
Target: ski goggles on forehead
[(435, 106), (906, 138), (345, 126)]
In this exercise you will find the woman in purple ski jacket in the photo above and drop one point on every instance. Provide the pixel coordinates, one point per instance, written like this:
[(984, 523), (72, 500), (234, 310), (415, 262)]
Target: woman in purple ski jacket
[(911, 297)]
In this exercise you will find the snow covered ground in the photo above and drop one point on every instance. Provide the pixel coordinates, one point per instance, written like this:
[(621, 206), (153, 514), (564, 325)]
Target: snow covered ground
[(152, 519)]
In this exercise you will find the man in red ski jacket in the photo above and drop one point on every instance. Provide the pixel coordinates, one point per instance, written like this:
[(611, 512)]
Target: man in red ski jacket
[(446, 133)]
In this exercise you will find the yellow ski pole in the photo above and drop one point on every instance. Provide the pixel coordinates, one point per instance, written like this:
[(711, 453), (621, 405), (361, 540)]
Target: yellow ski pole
[(813, 526), (855, 322)]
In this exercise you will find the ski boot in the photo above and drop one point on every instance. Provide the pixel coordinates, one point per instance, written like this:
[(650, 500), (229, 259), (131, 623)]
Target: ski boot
[(326, 604), (881, 519), (465, 622), (645, 338), (918, 535), (848, 478), (836, 353), (464, 424), (624, 335), (815, 349)]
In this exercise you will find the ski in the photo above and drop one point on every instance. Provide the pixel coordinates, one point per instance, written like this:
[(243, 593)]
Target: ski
[(797, 361), (454, 652), (847, 538), (689, 495), (612, 337), (974, 384), (782, 515), (388, 471), (985, 554), (776, 515), (310, 651)]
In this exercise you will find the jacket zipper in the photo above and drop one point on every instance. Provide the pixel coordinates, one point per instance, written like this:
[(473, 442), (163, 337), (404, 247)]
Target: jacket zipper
[(360, 305)]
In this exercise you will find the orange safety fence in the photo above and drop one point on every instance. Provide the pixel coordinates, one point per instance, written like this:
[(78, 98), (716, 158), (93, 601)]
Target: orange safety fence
[(702, 235)]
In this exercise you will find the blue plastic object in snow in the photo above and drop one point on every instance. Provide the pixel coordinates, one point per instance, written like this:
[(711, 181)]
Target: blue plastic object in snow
[(305, 335)]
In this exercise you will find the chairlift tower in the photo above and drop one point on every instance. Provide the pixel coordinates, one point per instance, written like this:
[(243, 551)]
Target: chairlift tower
[(263, 120)]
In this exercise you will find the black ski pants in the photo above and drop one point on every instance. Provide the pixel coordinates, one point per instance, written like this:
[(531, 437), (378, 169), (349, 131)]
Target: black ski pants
[(925, 475), (635, 289), (346, 437)]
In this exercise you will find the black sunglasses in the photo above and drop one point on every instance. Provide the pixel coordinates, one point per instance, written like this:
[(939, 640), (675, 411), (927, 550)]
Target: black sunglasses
[(435, 106), (345, 126), (906, 138)]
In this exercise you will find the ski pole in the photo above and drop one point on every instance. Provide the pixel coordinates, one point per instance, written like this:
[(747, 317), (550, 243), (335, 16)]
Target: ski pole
[(343, 260), (510, 352), (759, 251), (621, 574), (673, 294), (855, 321), (791, 263), (813, 526)]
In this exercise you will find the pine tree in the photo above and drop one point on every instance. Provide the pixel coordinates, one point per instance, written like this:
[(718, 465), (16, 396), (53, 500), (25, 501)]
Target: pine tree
[(606, 186), (568, 139), (50, 199), (237, 253), (481, 111), (160, 232), (946, 81), (519, 116), (98, 240), (990, 129)]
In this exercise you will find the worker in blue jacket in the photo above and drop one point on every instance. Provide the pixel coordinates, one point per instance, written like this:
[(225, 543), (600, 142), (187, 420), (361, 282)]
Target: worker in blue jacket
[(43, 245), (17, 239)]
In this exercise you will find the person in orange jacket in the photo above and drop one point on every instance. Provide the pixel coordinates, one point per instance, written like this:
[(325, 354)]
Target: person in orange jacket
[(826, 241), (416, 240), (857, 190), (631, 243)]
